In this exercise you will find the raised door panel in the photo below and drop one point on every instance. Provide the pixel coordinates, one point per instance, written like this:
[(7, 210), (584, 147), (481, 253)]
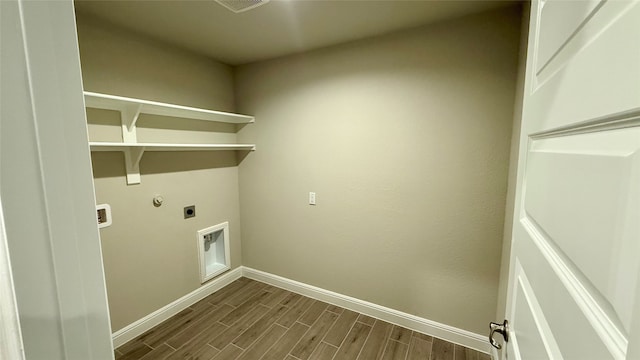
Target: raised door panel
[(594, 76), (559, 21), (582, 193)]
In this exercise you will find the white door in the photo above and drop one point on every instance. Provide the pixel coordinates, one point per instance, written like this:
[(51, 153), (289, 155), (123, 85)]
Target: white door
[(47, 194), (575, 260)]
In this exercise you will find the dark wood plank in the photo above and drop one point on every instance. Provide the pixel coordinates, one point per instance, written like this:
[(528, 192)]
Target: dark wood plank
[(168, 323), (291, 299), (158, 353), (341, 328), (314, 336), (395, 351), (210, 319), (373, 348), (335, 309), (442, 350), (133, 350), (419, 349), (218, 297), (239, 327), (174, 325), (281, 348), (463, 353), (204, 352), (277, 295), (400, 334), (295, 312), (200, 304), (263, 344), (259, 327), (242, 310), (353, 343), (230, 352), (367, 320), (247, 292), (422, 336), (323, 351), (313, 313)]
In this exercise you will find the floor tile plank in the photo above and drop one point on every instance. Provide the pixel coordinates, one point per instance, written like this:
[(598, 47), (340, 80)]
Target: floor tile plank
[(227, 292), (253, 315), (291, 299), (259, 327), (401, 335), (395, 351), (275, 298), (323, 351), (463, 353), (244, 294), (341, 328), (373, 348), (174, 325), (442, 350), (367, 320), (242, 310), (312, 314), (353, 343), (134, 350), (230, 352), (158, 353), (211, 319), (312, 338), (295, 312), (422, 336), (419, 349), (204, 352), (281, 348), (263, 344)]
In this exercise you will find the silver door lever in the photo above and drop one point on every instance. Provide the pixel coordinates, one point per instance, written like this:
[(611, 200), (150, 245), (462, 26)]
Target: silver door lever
[(502, 329)]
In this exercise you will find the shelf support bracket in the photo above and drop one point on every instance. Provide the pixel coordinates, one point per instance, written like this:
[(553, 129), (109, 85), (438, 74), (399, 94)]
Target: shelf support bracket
[(132, 157), (129, 116)]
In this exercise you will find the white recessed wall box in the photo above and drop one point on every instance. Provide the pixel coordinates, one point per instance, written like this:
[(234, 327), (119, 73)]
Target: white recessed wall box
[(104, 215), (213, 249)]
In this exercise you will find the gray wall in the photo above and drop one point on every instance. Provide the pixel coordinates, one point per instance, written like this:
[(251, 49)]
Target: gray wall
[(150, 253), (405, 139)]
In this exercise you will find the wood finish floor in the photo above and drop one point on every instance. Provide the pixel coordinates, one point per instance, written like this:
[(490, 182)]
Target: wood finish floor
[(249, 320)]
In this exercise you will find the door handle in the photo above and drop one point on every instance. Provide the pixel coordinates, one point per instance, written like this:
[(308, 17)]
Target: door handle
[(502, 329)]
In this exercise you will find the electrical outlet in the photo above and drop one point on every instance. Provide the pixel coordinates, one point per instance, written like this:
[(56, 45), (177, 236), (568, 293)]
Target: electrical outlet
[(312, 198)]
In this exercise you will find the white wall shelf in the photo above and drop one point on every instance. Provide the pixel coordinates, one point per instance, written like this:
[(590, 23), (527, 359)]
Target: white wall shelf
[(117, 146), (130, 109)]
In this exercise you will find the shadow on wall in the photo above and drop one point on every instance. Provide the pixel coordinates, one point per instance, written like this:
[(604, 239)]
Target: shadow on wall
[(111, 164)]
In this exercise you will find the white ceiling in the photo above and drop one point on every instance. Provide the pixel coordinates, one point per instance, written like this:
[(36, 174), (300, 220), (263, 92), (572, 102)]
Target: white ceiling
[(278, 28)]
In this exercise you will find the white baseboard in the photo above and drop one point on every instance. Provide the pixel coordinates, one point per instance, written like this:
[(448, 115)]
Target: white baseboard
[(139, 327), (429, 327)]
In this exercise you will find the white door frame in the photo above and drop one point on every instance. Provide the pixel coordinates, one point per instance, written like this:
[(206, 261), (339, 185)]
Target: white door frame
[(10, 335)]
